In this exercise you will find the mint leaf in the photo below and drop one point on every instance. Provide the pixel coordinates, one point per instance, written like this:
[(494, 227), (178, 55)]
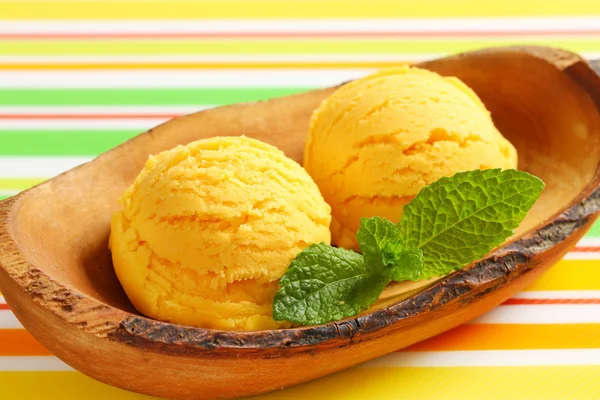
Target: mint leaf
[(379, 241), (458, 220), (325, 284), (408, 265)]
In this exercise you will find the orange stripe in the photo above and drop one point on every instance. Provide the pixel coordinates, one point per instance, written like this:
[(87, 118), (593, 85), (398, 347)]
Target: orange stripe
[(551, 301), (586, 249), (202, 65), (514, 337), (279, 35), (19, 342), (4, 307)]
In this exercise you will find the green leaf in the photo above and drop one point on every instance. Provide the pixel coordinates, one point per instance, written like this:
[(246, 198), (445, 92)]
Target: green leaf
[(458, 220), (380, 242), (323, 284), (408, 265)]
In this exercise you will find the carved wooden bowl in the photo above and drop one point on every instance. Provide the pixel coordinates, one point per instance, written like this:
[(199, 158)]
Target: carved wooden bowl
[(56, 271)]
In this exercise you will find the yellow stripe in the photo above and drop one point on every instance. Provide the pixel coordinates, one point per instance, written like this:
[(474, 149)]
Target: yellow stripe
[(278, 46), (463, 383), (466, 383), (18, 184), (182, 9), (59, 385), (570, 275)]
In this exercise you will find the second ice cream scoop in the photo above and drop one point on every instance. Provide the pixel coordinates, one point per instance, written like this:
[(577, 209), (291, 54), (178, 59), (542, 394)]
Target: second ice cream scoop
[(376, 141)]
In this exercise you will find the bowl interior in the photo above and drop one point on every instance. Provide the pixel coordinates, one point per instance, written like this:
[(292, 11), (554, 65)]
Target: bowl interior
[(62, 226)]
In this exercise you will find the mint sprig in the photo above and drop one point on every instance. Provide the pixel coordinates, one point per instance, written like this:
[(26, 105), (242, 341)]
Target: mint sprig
[(448, 225)]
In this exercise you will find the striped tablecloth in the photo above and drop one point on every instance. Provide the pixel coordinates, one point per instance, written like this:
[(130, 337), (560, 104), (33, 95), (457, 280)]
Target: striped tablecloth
[(79, 77)]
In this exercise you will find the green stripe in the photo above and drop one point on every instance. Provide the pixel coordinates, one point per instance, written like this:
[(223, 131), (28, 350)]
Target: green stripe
[(3, 197), (61, 142), (594, 232), (196, 96)]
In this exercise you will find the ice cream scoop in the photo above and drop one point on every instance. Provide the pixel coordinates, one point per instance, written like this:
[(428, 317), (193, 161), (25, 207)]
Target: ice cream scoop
[(375, 142), (207, 230)]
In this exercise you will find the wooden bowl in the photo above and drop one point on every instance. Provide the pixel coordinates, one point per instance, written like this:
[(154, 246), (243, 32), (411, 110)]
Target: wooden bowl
[(56, 271)]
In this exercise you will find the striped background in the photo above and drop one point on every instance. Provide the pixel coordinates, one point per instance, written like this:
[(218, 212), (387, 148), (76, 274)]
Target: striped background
[(78, 77)]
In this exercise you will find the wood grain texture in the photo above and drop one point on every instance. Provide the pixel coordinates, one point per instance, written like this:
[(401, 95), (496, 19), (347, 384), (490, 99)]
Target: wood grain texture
[(56, 272)]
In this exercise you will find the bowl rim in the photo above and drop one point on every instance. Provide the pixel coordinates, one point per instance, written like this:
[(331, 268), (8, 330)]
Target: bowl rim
[(503, 265)]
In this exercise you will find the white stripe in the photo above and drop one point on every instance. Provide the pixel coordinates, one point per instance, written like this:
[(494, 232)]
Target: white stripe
[(37, 167), (139, 124), (531, 24), (589, 242), (7, 193), (583, 255), (244, 78), (9, 321), (100, 110), (559, 294), (487, 358), (32, 363), (2, 301), (542, 314)]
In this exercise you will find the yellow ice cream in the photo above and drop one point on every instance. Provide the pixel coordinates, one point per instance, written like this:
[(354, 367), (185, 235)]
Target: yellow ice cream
[(207, 230), (375, 142)]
